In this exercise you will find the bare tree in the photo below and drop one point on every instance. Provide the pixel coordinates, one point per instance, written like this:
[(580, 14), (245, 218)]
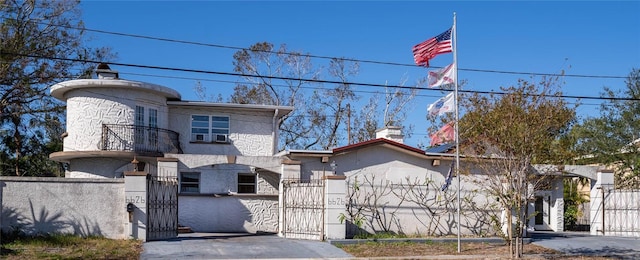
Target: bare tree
[(322, 115), (365, 123), (203, 95), (319, 116), (260, 63), (333, 104), (394, 108)]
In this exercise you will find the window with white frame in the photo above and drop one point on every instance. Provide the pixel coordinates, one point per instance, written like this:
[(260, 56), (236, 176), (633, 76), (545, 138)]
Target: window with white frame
[(189, 182), (153, 127), (246, 183), (205, 128), (139, 125)]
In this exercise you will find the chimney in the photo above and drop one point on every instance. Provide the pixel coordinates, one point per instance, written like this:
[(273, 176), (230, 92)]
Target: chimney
[(104, 72), (393, 133)]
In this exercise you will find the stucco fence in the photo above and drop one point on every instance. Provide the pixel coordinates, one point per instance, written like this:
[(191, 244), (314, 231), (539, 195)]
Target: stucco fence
[(613, 212), (37, 205), (418, 207)]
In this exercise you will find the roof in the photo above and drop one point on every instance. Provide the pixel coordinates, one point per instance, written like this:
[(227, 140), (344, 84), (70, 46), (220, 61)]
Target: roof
[(374, 142), (282, 110), (58, 90), (440, 148), (311, 153)]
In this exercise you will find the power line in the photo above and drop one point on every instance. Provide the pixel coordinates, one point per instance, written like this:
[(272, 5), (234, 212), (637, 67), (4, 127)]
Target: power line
[(322, 56), (282, 85), (344, 59), (253, 83), (302, 79)]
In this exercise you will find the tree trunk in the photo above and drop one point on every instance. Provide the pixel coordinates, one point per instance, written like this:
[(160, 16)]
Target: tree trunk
[(18, 142), (510, 231)]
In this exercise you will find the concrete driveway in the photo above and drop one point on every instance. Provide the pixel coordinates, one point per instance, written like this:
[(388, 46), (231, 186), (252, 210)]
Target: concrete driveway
[(580, 243), (238, 246)]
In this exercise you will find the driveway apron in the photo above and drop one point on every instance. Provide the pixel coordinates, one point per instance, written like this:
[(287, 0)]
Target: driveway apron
[(580, 243), (238, 246)]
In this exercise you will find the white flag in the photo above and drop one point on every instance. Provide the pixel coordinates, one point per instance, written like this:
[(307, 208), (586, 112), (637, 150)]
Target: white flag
[(442, 76), (442, 105)]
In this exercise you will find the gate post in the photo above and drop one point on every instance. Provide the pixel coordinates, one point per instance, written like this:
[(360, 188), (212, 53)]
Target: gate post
[(597, 214), (335, 193), (135, 192)]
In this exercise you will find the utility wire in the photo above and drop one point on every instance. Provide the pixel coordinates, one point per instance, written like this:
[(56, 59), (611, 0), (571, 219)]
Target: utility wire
[(344, 59), (320, 56), (255, 83), (301, 79), (282, 85)]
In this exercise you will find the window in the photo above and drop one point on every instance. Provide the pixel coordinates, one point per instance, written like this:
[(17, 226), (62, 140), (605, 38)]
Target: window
[(139, 125), (200, 128), (153, 117), (153, 127), (209, 128), (190, 182), (139, 120), (246, 183)]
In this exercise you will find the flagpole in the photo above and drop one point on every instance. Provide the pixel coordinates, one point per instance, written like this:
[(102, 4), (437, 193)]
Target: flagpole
[(457, 132)]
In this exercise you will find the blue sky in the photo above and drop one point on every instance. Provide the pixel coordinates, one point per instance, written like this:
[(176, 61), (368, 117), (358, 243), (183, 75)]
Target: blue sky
[(583, 38)]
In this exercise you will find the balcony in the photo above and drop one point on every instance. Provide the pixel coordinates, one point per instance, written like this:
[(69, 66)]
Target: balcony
[(143, 140)]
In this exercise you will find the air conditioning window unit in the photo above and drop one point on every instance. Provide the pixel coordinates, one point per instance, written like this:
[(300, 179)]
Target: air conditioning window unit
[(222, 138), (199, 137)]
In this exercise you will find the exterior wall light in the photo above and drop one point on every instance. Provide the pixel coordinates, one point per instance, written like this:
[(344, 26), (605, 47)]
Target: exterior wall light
[(334, 166)]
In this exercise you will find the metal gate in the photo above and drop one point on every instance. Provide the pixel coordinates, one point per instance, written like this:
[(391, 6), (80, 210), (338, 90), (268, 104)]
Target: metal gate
[(621, 212), (303, 209), (162, 207)]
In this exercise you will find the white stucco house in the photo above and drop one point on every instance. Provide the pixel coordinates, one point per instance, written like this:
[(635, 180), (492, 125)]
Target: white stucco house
[(228, 174)]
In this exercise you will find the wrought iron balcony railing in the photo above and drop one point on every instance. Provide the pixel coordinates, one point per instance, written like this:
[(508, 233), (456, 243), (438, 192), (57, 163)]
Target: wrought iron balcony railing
[(140, 139)]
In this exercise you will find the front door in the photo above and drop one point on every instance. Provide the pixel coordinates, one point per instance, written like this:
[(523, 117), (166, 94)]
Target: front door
[(542, 209)]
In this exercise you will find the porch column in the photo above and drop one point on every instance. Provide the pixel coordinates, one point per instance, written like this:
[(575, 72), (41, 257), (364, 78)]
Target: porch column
[(557, 206), (335, 204), (604, 180), (135, 194), (168, 167)]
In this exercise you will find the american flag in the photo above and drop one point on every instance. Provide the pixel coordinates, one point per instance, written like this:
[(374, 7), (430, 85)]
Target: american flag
[(428, 49)]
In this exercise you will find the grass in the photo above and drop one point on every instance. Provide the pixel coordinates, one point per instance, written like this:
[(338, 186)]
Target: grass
[(60, 246), (379, 235), (433, 248)]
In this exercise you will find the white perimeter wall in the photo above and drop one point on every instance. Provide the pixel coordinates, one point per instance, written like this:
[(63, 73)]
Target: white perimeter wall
[(241, 213), (218, 207), (622, 213), (409, 197), (78, 206)]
